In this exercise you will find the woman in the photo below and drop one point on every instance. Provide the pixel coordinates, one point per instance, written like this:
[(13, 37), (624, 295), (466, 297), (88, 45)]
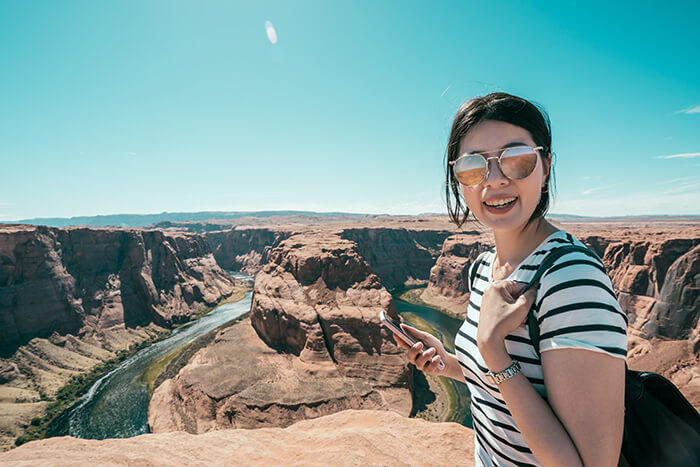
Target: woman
[(565, 407)]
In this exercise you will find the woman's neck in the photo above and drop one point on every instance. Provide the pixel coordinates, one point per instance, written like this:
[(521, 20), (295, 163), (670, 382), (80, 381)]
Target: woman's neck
[(512, 247)]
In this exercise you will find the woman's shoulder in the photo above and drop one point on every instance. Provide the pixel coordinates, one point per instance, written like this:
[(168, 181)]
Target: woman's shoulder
[(582, 256)]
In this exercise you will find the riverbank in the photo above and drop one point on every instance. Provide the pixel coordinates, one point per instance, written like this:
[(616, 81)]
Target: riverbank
[(417, 295), (79, 384), (170, 365), (436, 398)]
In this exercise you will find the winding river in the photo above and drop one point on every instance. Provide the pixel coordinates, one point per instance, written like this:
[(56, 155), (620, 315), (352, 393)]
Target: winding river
[(116, 405)]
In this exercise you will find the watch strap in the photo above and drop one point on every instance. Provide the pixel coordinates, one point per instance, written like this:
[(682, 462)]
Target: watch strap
[(498, 378)]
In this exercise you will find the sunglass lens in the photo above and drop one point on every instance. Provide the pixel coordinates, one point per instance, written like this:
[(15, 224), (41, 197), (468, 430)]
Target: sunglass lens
[(470, 170), (517, 163)]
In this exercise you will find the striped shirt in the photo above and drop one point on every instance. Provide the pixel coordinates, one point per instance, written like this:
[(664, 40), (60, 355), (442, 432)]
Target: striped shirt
[(576, 308)]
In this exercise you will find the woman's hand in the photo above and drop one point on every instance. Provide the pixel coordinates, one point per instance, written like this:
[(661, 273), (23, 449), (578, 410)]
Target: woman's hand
[(503, 309), (427, 354)]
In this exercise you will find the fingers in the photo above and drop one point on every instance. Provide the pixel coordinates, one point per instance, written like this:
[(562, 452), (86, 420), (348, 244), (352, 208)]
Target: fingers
[(400, 342)]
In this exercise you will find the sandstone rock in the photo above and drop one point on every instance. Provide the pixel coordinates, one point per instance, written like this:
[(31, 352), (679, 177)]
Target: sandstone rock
[(8, 371), (247, 250), (350, 437), (317, 347), (398, 256), (76, 280)]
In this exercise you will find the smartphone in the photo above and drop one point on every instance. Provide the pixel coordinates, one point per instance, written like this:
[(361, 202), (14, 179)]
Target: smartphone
[(396, 328)]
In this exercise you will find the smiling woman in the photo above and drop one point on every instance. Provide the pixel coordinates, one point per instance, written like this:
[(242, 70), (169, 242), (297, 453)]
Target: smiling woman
[(562, 403)]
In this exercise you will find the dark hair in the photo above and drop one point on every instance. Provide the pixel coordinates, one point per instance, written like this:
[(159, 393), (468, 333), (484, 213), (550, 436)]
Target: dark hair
[(505, 108)]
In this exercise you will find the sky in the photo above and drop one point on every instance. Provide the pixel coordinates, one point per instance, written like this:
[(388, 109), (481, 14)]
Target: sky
[(148, 106)]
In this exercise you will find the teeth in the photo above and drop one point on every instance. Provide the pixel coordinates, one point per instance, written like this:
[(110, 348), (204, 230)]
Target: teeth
[(500, 202)]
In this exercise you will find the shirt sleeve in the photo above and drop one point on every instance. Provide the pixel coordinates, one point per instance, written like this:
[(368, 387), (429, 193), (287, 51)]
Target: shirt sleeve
[(576, 307)]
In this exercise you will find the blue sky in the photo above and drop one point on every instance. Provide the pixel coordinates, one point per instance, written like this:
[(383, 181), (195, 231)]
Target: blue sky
[(150, 106)]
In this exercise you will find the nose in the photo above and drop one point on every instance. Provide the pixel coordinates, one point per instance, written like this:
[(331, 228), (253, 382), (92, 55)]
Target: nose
[(496, 177)]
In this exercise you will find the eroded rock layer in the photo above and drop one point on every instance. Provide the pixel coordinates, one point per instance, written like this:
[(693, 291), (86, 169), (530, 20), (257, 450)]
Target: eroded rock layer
[(315, 347), (247, 250), (72, 298), (78, 280)]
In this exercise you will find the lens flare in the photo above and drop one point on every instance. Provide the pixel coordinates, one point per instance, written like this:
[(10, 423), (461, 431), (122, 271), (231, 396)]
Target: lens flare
[(271, 33)]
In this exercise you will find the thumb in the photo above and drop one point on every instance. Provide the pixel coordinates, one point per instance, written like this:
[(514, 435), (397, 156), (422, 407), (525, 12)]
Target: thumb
[(527, 298), (410, 330)]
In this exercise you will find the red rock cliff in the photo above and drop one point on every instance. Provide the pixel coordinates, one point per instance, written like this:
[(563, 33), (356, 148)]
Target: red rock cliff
[(319, 348), (75, 280)]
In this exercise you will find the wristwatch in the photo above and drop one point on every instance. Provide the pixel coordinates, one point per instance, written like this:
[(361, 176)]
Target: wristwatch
[(498, 378)]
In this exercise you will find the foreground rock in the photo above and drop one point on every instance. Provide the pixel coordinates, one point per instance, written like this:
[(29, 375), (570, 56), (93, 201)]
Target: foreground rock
[(319, 348), (351, 437)]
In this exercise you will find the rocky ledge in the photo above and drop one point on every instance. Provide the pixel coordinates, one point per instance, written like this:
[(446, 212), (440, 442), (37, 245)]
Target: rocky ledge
[(313, 345), (351, 437)]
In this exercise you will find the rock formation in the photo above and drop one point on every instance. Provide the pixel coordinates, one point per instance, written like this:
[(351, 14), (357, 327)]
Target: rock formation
[(398, 256), (70, 298), (76, 280), (319, 348), (350, 437), (247, 250)]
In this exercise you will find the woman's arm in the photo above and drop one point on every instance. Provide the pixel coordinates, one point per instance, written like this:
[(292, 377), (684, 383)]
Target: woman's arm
[(584, 424)]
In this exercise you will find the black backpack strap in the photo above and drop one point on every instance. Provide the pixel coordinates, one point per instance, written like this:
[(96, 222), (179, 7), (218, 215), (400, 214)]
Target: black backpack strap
[(547, 262), (475, 269)]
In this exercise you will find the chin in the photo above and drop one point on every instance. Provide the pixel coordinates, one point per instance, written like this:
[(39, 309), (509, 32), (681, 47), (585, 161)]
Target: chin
[(505, 224)]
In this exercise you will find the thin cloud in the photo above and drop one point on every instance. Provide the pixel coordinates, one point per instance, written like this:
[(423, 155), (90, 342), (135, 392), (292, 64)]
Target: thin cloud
[(691, 110), (681, 179), (685, 187), (591, 190), (271, 33), (131, 153), (688, 155)]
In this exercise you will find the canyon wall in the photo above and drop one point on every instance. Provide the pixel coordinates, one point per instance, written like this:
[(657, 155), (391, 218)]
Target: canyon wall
[(246, 249), (78, 280), (71, 298), (398, 256), (313, 345)]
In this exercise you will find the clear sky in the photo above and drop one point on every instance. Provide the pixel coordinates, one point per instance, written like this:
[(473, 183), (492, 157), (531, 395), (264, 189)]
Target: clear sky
[(147, 106)]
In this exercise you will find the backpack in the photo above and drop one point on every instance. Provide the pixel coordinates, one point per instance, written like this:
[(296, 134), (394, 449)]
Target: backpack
[(661, 427)]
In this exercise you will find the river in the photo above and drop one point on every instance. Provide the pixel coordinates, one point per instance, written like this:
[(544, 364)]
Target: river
[(445, 328), (116, 405)]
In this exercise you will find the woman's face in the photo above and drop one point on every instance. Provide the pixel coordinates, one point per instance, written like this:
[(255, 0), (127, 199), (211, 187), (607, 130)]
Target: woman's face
[(490, 135)]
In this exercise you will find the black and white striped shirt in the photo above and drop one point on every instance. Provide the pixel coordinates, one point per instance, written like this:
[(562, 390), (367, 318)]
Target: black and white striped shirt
[(576, 308)]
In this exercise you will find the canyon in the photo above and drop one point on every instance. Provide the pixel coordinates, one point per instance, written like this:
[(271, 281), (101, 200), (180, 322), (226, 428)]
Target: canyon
[(312, 349), (73, 298)]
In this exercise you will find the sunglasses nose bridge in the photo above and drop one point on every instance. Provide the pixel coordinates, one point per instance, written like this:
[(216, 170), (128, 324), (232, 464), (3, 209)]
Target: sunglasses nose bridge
[(498, 170)]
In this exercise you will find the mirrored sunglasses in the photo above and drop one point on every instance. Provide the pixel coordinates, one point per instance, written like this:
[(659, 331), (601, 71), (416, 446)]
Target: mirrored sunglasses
[(516, 163)]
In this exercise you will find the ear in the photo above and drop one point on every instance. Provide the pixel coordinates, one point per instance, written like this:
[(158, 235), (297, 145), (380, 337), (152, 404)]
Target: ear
[(547, 161)]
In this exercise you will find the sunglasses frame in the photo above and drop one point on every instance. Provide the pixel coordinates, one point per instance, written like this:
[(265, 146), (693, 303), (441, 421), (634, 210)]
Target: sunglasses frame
[(502, 151)]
